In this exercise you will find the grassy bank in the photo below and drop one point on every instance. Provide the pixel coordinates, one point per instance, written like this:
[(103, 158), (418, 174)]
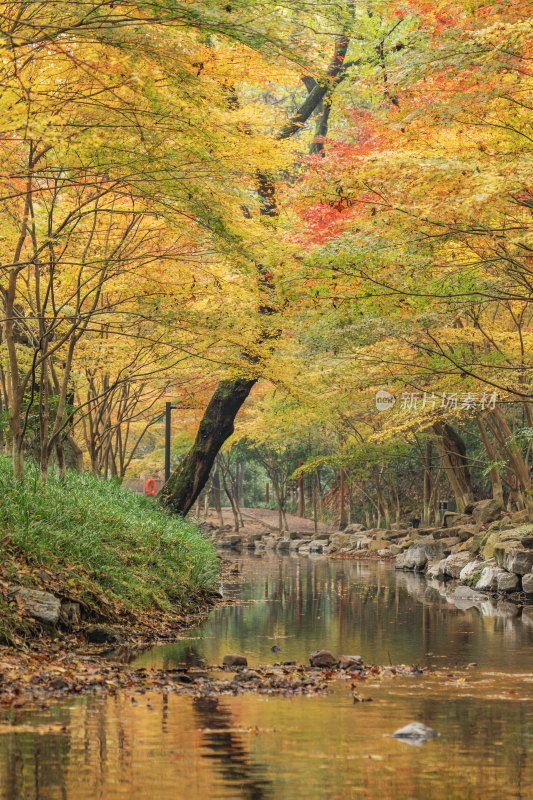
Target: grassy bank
[(116, 552)]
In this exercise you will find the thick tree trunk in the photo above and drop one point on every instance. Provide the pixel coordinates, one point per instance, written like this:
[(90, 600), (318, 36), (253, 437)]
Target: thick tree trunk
[(497, 486), (185, 484), (452, 452)]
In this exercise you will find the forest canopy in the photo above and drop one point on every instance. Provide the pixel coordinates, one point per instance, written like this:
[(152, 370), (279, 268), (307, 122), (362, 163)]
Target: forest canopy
[(307, 225)]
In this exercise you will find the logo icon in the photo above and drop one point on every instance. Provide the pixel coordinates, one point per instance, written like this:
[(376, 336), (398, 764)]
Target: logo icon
[(384, 400)]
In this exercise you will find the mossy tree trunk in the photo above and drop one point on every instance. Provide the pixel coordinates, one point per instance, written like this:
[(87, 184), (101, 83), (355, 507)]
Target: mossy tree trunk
[(185, 484), (452, 452)]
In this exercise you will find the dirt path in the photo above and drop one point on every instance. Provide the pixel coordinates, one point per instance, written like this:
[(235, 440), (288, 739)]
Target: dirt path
[(264, 519)]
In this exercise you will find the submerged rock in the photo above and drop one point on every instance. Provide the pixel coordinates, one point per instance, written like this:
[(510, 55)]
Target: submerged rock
[(415, 733), (233, 660), (323, 658)]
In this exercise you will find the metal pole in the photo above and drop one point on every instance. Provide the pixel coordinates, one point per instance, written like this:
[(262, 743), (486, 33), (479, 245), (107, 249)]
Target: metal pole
[(168, 409), (301, 501)]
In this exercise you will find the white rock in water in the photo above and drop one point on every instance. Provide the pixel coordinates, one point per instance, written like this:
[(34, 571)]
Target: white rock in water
[(415, 733)]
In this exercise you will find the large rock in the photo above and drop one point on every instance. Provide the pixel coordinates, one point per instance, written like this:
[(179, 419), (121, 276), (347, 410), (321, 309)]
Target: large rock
[(390, 535), (415, 557), (395, 549), (496, 538), (452, 518), (339, 540), (435, 549), (102, 634), (361, 543), (527, 584), (513, 557), (233, 660), (42, 606), (400, 561), (507, 582), (487, 511), (473, 545), (435, 569), (233, 540), (519, 516), (488, 582), (355, 527), (284, 545), (471, 569), (455, 563), (465, 532), (323, 658)]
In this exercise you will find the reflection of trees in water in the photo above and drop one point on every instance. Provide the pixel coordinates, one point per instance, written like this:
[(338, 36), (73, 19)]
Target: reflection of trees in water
[(477, 725), (320, 602), (227, 748), (183, 654)]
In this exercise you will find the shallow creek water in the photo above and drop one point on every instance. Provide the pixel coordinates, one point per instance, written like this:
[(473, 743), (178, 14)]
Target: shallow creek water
[(255, 747)]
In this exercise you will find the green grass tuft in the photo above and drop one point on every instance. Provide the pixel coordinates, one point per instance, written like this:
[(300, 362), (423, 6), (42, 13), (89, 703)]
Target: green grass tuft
[(105, 541)]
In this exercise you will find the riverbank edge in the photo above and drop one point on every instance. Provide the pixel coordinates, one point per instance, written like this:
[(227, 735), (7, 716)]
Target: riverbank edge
[(86, 560), (485, 549)]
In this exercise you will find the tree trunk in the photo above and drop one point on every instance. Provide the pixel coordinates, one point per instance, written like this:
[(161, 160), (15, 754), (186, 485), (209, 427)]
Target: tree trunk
[(426, 513), (185, 484), (240, 483), (497, 487), (215, 482), (452, 452), (229, 489), (511, 454)]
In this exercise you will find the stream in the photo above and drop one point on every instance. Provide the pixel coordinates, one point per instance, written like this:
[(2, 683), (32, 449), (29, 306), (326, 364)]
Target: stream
[(479, 698)]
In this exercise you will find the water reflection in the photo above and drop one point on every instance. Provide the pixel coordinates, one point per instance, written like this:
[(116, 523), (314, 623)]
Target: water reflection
[(227, 749), (356, 608), (257, 748)]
